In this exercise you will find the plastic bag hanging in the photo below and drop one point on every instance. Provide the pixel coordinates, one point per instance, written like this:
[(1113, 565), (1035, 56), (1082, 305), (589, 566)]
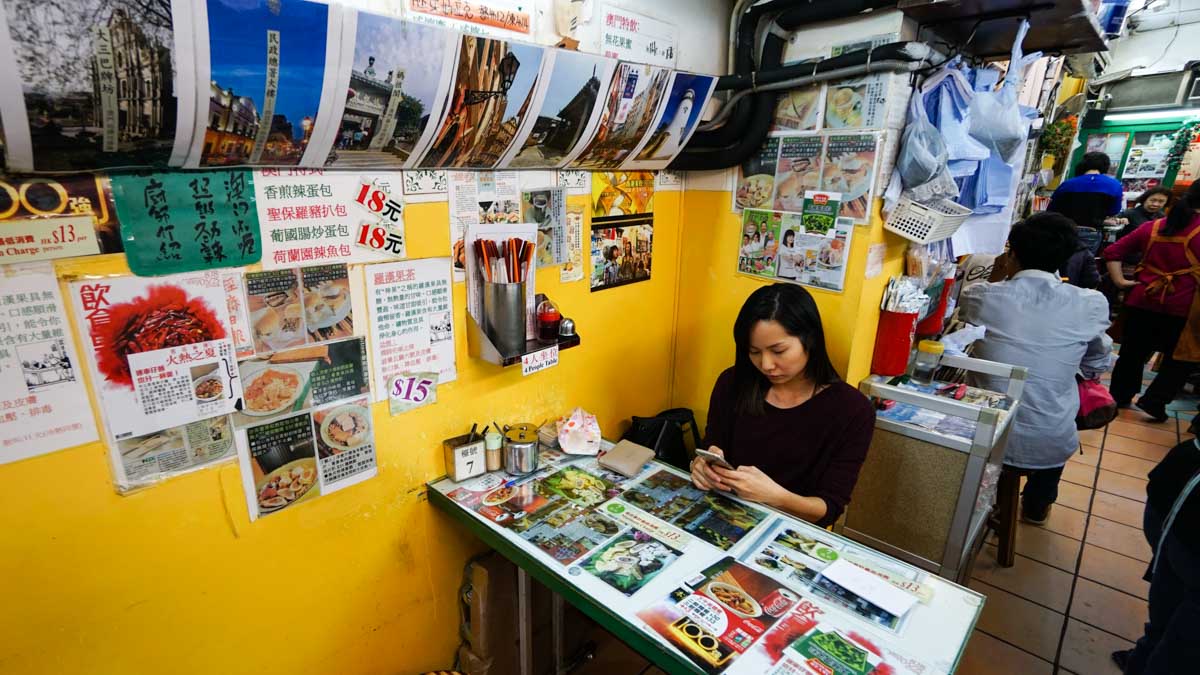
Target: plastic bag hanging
[(995, 116)]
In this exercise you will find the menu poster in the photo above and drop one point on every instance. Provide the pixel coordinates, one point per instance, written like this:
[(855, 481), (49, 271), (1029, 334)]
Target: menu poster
[(797, 171), (411, 320), (1112, 145), (719, 614), (849, 169), (812, 639), (45, 405), (503, 504), (64, 216), (636, 37), (306, 377), (303, 456), (480, 197), (179, 222), (856, 104), (146, 458), (314, 216), (498, 18), (759, 252), (710, 516), (288, 308), (630, 561), (547, 208), (799, 110), (756, 178), (159, 350), (1148, 156), (572, 269), (1189, 167)]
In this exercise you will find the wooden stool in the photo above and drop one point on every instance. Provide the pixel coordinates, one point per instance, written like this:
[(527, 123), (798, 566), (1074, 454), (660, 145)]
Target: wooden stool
[(1008, 508)]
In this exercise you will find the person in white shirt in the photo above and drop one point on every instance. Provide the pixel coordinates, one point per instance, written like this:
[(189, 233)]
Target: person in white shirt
[(787, 264)]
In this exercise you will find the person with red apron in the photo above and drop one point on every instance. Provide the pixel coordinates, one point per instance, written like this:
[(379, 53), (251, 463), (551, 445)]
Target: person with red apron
[(1162, 309)]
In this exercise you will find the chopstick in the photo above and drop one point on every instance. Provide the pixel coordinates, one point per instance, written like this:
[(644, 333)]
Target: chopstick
[(513, 266)]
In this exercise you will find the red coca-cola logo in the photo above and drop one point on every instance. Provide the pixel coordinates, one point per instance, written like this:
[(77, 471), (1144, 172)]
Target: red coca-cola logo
[(779, 602)]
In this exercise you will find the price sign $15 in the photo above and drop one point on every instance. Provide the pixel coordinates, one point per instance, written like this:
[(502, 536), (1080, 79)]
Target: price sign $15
[(412, 390)]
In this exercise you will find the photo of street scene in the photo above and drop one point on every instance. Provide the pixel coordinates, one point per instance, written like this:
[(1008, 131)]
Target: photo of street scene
[(567, 110), (267, 67), (631, 103), (393, 91), (97, 79), (493, 89)]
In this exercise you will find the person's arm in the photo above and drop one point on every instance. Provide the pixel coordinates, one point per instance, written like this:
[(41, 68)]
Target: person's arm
[(1117, 275), (970, 305), (1114, 253), (718, 433), (1098, 357)]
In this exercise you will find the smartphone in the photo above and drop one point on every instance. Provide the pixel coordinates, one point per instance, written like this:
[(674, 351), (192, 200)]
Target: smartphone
[(714, 458)]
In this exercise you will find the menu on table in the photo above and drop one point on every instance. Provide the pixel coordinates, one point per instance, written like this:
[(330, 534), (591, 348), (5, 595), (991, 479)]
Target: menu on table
[(731, 587)]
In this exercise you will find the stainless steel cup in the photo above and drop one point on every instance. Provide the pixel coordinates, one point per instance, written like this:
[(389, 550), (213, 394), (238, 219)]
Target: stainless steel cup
[(504, 316), (521, 450)]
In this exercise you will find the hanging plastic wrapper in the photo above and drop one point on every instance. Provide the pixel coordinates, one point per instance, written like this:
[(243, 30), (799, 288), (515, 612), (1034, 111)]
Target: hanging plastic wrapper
[(579, 433), (995, 116)]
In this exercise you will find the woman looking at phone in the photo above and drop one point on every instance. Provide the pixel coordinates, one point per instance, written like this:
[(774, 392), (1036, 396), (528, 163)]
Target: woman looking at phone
[(795, 433)]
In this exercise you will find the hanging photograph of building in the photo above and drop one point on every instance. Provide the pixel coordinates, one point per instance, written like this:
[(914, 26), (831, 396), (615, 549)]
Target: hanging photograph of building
[(97, 80), (632, 102)]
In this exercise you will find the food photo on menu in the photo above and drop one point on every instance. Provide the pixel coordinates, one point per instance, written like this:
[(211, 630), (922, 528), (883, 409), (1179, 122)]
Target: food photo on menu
[(849, 169), (577, 486), (630, 561), (565, 531), (798, 170), (328, 310), (756, 178), (798, 110), (720, 613), (710, 516), (297, 379), (283, 463)]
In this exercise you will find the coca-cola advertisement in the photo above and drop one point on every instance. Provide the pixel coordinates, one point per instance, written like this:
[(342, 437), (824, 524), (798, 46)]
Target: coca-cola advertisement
[(720, 613)]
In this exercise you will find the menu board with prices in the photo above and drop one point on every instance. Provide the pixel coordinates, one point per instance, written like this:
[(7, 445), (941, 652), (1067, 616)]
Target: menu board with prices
[(630, 36), (43, 218)]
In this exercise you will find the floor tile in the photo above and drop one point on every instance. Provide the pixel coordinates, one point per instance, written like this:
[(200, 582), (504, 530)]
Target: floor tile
[(1134, 416), (1092, 437), (1122, 485), (985, 655), (1111, 610), (1043, 546), (1019, 622), (1087, 650), (1066, 521), (1130, 446), (1074, 496), (1028, 579), (1120, 509), (1113, 569), (1116, 537), (1079, 474), (1090, 456), (1160, 433), (1130, 466)]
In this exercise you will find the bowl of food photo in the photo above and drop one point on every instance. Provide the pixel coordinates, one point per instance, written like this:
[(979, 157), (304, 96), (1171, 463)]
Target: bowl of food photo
[(346, 427), (734, 599)]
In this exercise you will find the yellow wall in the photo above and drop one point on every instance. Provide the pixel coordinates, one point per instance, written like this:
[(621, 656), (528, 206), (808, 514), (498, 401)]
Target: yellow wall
[(175, 579), (711, 293)]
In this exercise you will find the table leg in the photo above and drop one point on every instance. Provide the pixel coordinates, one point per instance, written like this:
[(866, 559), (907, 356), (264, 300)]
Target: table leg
[(556, 618), (524, 619)]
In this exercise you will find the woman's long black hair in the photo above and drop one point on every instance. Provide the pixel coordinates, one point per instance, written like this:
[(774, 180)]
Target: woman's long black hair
[(796, 311), (1184, 211)]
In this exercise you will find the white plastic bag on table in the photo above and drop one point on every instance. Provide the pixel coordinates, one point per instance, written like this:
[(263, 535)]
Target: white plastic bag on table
[(995, 116)]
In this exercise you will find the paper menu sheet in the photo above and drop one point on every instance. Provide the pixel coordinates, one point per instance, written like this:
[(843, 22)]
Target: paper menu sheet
[(45, 404), (869, 587)]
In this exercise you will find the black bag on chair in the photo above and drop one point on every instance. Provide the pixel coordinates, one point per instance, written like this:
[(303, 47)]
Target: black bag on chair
[(664, 434)]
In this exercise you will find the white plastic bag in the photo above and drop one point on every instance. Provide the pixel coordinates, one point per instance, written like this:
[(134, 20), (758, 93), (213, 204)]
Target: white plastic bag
[(995, 116)]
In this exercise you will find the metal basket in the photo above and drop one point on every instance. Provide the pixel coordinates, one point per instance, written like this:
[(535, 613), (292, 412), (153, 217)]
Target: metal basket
[(924, 223)]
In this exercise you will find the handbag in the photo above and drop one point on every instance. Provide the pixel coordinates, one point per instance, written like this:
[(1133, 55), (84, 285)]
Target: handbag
[(1096, 405), (664, 434)]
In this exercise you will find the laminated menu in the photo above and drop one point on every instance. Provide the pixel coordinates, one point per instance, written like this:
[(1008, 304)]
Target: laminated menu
[(720, 613), (292, 380), (849, 169), (291, 307), (709, 516)]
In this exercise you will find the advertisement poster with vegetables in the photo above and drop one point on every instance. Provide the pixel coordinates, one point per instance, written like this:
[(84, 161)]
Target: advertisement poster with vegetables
[(719, 614), (161, 356)]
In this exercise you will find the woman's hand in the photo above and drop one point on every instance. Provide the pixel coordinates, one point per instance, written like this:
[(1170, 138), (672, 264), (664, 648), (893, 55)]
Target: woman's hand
[(749, 482), (1125, 284), (702, 473)]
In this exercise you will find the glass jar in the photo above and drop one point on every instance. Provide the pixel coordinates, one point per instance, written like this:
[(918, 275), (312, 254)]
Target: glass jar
[(929, 355), (548, 320)]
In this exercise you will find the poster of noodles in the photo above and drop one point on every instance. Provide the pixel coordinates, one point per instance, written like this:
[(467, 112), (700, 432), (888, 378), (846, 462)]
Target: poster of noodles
[(395, 79), (102, 84), (567, 108), (494, 86), (265, 77)]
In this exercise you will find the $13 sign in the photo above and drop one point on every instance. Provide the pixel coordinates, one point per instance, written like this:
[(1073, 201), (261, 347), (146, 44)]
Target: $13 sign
[(411, 390)]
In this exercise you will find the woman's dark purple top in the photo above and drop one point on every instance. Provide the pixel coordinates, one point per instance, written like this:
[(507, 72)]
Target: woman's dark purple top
[(814, 450)]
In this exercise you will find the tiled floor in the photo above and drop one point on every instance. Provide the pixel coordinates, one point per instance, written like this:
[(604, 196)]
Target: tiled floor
[(1076, 592)]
